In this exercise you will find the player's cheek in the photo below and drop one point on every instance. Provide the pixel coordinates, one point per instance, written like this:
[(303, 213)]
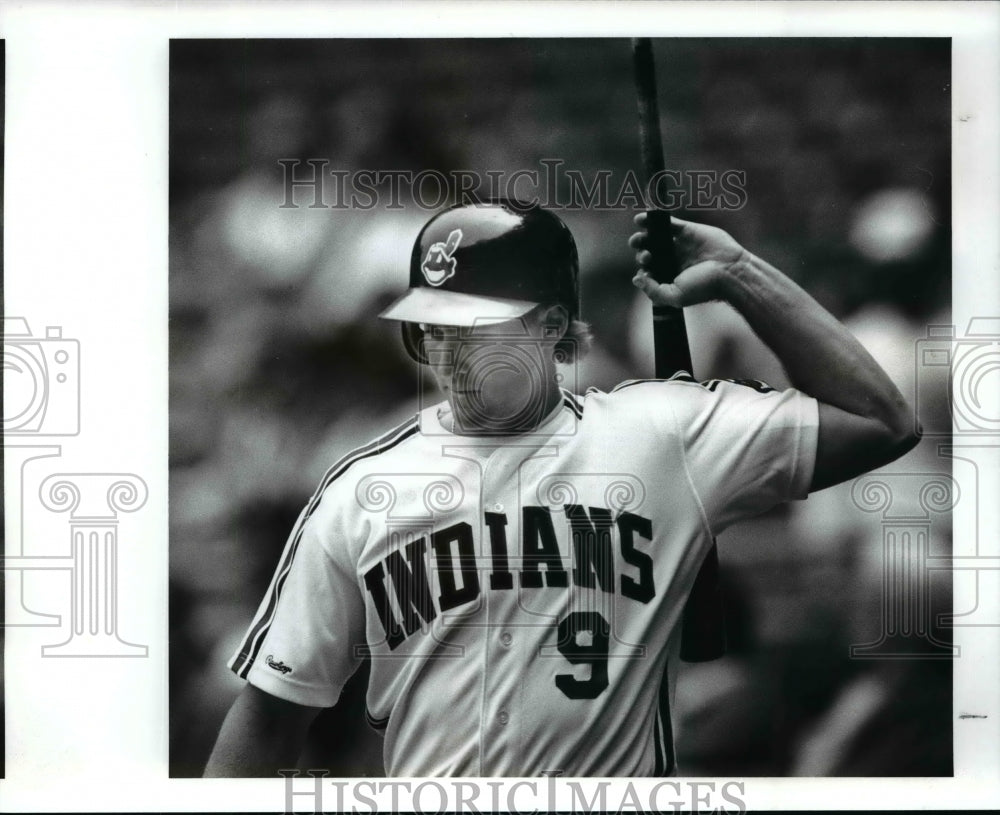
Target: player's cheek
[(511, 375), (442, 376), (500, 386), (438, 363)]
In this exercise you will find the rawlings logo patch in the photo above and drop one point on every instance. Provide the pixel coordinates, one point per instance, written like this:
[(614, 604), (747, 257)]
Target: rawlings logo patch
[(281, 667), (439, 264)]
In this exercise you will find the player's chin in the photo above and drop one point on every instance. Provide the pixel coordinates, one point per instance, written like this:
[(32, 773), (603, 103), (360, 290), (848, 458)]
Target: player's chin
[(474, 412)]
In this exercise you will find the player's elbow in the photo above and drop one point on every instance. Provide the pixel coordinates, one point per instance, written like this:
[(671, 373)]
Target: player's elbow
[(850, 445), (892, 436), (901, 431), (896, 442)]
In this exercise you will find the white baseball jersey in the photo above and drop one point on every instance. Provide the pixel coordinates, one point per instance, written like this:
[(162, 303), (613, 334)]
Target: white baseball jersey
[(521, 597)]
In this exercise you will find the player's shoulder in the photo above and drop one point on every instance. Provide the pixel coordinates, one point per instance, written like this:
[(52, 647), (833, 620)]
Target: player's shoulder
[(333, 516), (679, 390), (383, 451), (682, 380)]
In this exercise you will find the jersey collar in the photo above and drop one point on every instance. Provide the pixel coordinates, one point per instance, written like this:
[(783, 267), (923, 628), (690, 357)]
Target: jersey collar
[(435, 421)]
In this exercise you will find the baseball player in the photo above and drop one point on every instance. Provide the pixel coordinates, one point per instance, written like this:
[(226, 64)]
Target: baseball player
[(515, 558)]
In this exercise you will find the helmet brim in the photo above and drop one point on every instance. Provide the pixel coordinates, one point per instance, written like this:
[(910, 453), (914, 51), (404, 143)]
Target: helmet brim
[(441, 307)]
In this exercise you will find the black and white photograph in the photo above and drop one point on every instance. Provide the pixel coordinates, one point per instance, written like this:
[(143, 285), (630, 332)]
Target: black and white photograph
[(539, 406), (344, 211)]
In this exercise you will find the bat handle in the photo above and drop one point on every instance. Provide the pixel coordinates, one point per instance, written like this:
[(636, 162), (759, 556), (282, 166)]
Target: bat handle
[(661, 245), (703, 635), (670, 343)]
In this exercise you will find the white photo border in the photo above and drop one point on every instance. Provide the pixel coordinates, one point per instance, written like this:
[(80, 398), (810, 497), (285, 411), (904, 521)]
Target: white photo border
[(85, 236)]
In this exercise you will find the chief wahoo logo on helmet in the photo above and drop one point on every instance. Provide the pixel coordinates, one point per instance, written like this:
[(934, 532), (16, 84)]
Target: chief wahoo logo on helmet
[(439, 264), (486, 262)]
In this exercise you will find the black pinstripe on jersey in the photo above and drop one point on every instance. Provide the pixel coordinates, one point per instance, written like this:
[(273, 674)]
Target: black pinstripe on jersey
[(711, 384), (573, 402), (663, 734), (375, 722), (252, 642), (680, 376)]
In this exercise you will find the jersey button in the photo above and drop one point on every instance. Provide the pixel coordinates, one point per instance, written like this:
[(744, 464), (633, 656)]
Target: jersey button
[(506, 639), (498, 507), (503, 717)]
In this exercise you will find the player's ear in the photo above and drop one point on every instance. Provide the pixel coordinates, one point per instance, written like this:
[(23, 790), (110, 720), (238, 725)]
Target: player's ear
[(555, 322), (413, 342)]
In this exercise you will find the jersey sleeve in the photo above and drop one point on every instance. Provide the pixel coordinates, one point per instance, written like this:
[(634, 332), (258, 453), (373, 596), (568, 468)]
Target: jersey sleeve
[(746, 447), (302, 643)]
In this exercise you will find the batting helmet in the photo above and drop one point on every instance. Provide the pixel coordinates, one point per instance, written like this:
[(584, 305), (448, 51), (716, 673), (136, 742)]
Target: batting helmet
[(485, 263)]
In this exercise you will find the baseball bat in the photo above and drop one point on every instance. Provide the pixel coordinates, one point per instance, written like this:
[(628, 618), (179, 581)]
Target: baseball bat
[(703, 634)]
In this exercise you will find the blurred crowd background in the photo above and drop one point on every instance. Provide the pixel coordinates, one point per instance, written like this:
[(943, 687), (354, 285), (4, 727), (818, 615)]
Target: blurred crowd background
[(278, 364)]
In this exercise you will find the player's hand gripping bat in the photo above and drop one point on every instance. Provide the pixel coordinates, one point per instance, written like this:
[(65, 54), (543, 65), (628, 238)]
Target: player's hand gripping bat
[(703, 635)]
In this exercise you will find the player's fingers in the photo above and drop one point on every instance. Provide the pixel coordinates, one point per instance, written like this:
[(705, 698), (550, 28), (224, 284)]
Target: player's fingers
[(689, 244), (639, 240), (684, 232), (662, 294), (644, 259)]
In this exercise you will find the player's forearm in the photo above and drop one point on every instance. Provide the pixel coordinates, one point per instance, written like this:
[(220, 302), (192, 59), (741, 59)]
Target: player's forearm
[(822, 358), (246, 750), (254, 742)]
